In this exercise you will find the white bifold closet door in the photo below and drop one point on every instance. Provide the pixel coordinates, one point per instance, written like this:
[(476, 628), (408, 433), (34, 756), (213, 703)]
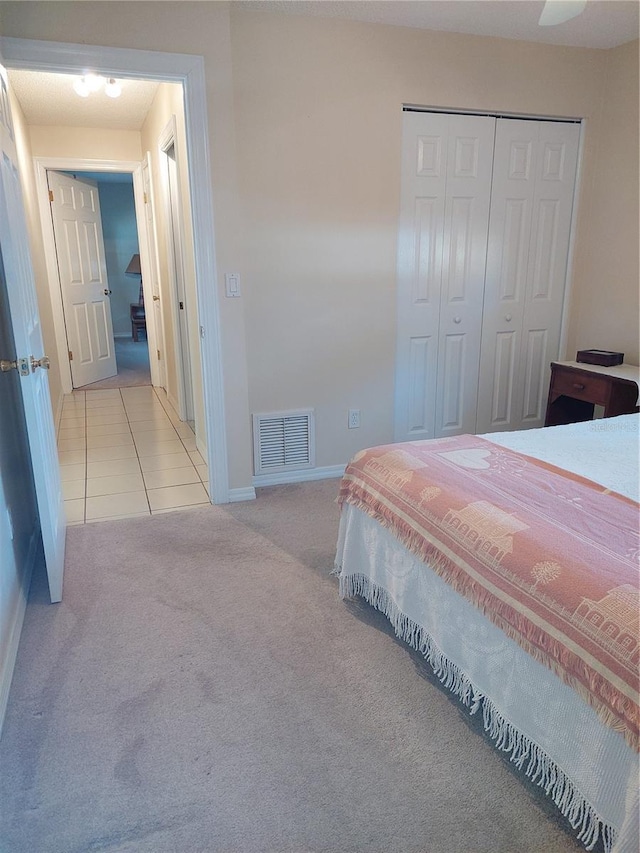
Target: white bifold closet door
[(482, 251), (531, 205), (446, 190)]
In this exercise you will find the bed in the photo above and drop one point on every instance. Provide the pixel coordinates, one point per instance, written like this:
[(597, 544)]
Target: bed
[(510, 562)]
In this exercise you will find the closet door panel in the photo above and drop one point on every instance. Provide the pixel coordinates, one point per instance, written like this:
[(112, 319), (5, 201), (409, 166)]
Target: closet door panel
[(535, 371), (531, 209), (466, 222), (420, 242), (549, 252), (513, 192)]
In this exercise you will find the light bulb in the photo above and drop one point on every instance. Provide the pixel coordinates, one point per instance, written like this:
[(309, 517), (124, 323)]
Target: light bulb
[(112, 88), (94, 81), (81, 88)]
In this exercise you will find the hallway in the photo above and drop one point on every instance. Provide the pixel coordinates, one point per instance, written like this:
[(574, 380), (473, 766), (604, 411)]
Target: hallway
[(124, 452)]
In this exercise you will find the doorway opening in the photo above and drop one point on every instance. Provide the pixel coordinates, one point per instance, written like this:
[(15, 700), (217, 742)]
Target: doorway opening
[(107, 271), (188, 70)]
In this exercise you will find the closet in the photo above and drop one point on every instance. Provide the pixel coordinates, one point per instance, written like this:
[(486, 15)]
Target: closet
[(483, 245)]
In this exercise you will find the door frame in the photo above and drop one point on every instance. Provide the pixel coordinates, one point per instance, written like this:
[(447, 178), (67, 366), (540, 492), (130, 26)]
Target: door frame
[(73, 164), (188, 70), (175, 238)]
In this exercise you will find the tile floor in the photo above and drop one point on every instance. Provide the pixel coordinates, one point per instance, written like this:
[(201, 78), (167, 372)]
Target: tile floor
[(124, 452)]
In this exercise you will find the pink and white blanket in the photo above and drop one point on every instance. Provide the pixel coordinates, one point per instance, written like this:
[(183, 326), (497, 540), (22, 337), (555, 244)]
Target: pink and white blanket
[(551, 558)]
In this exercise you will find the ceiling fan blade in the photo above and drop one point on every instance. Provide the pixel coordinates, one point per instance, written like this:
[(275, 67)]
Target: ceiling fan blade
[(558, 11)]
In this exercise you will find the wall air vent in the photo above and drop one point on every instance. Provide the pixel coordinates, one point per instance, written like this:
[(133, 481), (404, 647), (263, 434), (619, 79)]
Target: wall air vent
[(283, 441)]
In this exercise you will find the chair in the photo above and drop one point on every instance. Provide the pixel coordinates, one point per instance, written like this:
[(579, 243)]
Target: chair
[(138, 320), (136, 309)]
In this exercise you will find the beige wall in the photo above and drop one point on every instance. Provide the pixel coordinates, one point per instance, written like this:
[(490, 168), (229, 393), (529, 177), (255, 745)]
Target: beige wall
[(89, 143), (304, 126), (318, 123), (605, 308)]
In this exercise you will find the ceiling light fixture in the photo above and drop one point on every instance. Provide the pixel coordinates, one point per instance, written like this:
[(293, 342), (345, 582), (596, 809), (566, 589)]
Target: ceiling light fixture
[(556, 12), (92, 82)]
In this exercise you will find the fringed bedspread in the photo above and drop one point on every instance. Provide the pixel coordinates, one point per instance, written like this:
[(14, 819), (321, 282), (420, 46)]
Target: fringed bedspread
[(549, 557)]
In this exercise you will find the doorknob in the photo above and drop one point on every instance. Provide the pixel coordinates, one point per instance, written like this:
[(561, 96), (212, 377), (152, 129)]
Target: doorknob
[(20, 364), (508, 317), (106, 291), (43, 362), (457, 319)]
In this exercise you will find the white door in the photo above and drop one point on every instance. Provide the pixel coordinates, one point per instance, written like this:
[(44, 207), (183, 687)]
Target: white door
[(153, 276), (466, 222), (25, 321), (176, 264), (445, 194), (420, 241), (82, 265), (531, 210)]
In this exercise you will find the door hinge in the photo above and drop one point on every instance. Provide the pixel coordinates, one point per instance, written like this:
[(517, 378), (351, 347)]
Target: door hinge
[(146, 200), (50, 195), (158, 351), (70, 356)]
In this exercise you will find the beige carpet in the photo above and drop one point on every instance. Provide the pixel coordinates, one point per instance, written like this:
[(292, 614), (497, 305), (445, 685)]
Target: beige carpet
[(203, 688)]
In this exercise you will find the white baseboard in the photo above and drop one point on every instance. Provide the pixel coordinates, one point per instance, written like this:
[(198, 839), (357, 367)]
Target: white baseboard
[(174, 403), (58, 412), (303, 476), (246, 494), (201, 447), (7, 665)]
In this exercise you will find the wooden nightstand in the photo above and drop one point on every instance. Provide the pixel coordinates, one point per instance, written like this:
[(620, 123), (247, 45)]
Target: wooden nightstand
[(576, 388)]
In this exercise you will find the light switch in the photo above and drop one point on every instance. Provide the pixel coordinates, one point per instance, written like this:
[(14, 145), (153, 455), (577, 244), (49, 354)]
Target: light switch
[(232, 283)]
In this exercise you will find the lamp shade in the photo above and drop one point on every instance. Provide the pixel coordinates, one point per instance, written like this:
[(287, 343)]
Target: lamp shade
[(134, 266)]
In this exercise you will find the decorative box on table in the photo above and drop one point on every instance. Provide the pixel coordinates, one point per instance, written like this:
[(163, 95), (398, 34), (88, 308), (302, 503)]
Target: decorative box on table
[(603, 357)]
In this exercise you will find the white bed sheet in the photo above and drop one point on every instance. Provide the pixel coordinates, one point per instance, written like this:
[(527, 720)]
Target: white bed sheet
[(606, 450), (515, 688)]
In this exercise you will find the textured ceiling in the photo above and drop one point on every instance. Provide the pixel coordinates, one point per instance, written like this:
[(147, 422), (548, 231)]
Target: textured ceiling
[(603, 24), (49, 100)]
